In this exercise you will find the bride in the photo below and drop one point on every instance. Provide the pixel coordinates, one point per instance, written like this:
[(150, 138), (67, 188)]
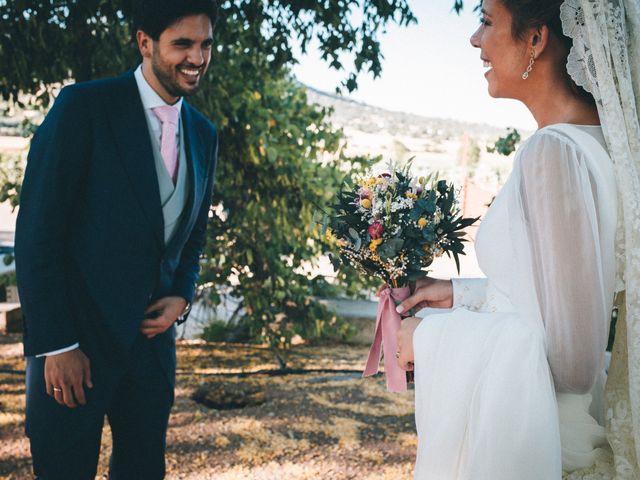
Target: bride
[(510, 383)]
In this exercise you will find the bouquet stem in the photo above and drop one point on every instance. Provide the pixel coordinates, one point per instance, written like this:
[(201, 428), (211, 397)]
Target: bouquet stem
[(385, 339)]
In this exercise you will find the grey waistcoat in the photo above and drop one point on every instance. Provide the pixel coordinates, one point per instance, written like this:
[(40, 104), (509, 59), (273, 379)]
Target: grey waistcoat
[(173, 198)]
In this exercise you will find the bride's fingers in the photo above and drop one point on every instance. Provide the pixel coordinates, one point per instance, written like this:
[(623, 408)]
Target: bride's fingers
[(422, 282), (405, 348), (405, 362), (412, 301), (420, 306)]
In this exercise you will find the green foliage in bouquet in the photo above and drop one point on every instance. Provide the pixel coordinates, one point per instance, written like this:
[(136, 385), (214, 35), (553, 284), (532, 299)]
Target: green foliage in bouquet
[(393, 226)]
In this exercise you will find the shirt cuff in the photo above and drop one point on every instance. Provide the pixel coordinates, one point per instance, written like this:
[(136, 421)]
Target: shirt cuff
[(470, 293), (57, 352)]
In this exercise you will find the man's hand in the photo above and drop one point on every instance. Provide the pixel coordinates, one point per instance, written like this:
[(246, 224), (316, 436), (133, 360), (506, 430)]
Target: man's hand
[(65, 375), (167, 311), (429, 292), (405, 342)]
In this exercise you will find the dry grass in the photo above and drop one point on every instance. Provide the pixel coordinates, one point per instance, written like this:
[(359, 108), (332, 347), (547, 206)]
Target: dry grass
[(312, 426)]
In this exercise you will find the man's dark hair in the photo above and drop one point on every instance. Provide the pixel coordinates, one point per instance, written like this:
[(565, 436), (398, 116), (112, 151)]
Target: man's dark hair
[(154, 16)]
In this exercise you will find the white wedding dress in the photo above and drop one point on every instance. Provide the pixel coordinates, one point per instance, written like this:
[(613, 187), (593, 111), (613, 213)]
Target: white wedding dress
[(509, 383)]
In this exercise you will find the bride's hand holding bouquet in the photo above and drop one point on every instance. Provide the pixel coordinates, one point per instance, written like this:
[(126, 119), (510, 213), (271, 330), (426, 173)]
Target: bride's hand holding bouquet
[(426, 293)]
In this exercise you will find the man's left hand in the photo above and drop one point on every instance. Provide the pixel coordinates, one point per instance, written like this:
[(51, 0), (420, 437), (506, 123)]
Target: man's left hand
[(167, 309)]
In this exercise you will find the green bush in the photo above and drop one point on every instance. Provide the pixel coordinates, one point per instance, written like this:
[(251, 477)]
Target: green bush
[(222, 331)]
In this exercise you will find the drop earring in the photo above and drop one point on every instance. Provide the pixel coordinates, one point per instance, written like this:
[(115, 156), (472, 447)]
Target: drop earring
[(532, 60)]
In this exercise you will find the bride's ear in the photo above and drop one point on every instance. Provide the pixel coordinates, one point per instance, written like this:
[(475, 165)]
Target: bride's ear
[(539, 39)]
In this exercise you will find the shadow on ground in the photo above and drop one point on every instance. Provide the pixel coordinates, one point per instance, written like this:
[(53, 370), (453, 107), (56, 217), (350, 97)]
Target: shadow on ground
[(323, 424)]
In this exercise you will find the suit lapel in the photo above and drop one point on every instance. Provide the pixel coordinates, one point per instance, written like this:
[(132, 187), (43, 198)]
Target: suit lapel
[(196, 158), (129, 125)]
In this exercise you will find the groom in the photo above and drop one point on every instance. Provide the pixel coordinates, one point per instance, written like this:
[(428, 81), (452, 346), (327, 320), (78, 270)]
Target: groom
[(112, 222)]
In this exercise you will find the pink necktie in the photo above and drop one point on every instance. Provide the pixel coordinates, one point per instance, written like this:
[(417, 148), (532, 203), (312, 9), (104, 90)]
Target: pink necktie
[(168, 117)]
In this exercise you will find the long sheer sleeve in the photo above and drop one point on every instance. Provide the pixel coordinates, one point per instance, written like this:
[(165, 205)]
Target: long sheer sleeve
[(470, 293), (571, 252)]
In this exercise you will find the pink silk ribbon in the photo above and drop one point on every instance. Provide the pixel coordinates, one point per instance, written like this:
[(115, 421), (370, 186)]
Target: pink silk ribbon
[(387, 325)]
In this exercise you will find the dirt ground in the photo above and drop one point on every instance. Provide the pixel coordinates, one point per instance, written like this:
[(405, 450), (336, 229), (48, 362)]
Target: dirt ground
[(313, 425)]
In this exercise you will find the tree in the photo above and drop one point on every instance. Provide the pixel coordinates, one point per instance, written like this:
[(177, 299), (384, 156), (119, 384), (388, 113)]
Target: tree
[(279, 157), (11, 173), (506, 145), (44, 42), (279, 165)]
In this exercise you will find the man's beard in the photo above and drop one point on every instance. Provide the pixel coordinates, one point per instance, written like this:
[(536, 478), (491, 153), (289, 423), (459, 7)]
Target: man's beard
[(169, 82)]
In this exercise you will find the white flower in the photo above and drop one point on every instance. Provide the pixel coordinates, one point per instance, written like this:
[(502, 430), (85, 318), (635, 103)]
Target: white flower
[(438, 216), (401, 203), (377, 210)]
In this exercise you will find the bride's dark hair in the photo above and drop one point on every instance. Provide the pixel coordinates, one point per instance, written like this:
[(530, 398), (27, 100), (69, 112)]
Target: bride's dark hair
[(527, 14)]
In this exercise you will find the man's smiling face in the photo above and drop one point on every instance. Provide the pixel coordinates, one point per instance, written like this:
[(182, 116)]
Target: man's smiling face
[(177, 61)]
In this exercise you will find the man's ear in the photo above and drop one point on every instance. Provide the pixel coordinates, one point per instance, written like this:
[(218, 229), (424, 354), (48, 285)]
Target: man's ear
[(145, 44)]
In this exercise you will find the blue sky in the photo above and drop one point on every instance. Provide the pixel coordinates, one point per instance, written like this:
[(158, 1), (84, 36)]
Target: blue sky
[(429, 69)]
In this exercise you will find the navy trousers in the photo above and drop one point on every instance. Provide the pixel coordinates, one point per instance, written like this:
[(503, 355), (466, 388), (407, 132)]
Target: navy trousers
[(136, 396)]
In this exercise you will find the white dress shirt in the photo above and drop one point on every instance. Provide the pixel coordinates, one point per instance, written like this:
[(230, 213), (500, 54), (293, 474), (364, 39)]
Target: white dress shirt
[(150, 100)]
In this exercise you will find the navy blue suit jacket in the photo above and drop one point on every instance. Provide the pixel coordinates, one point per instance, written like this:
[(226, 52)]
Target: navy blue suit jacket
[(90, 252)]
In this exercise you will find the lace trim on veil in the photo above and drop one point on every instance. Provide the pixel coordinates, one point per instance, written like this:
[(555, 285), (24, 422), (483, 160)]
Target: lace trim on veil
[(580, 63), (605, 61)]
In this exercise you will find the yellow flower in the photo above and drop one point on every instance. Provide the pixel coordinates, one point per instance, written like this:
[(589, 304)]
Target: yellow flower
[(373, 246), (257, 95), (422, 222), (368, 182), (365, 203), (410, 195)]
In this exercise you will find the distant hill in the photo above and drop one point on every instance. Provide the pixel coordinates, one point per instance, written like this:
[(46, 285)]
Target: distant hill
[(370, 119), (454, 148)]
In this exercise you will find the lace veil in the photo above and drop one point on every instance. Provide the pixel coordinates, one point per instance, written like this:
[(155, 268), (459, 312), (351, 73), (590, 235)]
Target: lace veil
[(605, 60)]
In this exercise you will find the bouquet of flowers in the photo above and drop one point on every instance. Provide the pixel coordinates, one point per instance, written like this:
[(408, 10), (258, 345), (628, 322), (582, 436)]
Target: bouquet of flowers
[(393, 226)]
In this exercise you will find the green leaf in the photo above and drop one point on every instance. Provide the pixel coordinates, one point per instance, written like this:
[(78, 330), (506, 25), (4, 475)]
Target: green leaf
[(390, 248)]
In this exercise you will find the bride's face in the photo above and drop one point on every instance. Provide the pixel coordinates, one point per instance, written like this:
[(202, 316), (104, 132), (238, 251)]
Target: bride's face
[(505, 56)]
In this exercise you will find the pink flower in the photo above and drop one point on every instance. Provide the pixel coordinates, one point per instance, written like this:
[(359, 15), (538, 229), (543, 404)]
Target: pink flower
[(364, 193), (375, 230)]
